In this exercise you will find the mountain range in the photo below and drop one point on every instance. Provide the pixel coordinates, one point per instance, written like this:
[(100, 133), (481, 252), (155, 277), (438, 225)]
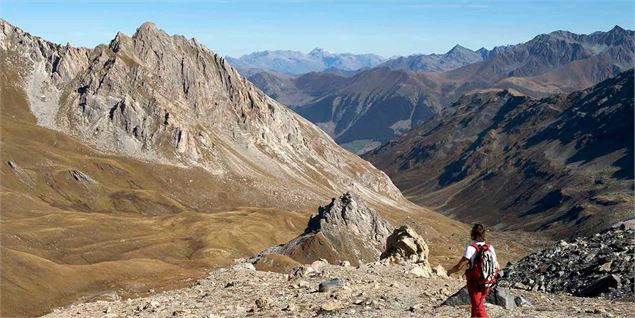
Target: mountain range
[(373, 106), (140, 164), (457, 57), (143, 162), (561, 164), (296, 62)]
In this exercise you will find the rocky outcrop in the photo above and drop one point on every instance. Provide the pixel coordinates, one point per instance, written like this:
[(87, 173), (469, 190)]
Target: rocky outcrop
[(343, 230), (407, 248), (171, 100), (598, 265), (405, 245)]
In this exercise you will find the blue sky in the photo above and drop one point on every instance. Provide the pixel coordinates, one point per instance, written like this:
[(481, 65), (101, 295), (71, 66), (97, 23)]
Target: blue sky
[(384, 27)]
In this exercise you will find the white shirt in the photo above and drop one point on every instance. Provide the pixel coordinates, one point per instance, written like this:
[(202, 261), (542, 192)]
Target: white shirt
[(470, 252)]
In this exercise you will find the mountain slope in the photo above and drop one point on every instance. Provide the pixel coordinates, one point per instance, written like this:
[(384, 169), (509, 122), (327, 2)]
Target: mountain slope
[(561, 164), (295, 62), (373, 106), (298, 91)]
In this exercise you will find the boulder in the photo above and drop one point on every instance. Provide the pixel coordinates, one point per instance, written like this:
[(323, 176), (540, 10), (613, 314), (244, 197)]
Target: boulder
[(461, 297), (406, 245), (497, 296), (420, 271), (319, 265), (600, 285), (244, 266), (522, 302), (263, 303), (501, 297), (330, 285)]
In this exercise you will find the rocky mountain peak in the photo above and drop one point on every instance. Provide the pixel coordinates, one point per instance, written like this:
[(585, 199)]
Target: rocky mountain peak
[(170, 100), (617, 29), (147, 28), (458, 49)]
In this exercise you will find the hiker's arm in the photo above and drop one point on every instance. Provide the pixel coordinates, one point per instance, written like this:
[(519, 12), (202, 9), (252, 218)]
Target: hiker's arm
[(459, 266)]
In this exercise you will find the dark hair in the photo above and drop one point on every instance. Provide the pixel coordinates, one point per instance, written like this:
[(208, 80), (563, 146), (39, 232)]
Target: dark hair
[(478, 233)]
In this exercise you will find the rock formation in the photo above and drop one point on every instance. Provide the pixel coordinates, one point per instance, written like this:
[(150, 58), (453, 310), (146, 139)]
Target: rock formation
[(598, 265), (405, 245), (344, 230)]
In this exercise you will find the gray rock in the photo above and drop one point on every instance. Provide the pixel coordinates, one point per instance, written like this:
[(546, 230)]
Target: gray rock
[(330, 285), (501, 297), (521, 301), (462, 297), (597, 265), (245, 266), (497, 296), (601, 285), (263, 302), (348, 231)]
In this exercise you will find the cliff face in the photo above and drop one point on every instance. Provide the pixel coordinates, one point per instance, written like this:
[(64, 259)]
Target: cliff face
[(170, 100)]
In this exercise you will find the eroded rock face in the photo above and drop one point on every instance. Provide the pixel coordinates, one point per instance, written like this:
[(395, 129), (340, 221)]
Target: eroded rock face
[(171, 100), (344, 230), (598, 265)]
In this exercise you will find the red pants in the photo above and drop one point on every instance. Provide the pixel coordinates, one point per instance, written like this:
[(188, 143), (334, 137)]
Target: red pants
[(477, 297)]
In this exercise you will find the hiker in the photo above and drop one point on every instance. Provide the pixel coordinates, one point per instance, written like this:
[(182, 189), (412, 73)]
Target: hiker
[(482, 270)]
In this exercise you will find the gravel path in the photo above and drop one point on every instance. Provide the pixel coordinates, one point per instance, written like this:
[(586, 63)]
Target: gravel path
[(372, 290)]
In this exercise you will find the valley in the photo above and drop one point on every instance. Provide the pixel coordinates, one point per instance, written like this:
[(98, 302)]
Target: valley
[(151, 176)]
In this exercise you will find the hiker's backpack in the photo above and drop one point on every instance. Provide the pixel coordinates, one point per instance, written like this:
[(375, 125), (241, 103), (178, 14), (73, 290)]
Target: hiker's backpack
[(484, 265)]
